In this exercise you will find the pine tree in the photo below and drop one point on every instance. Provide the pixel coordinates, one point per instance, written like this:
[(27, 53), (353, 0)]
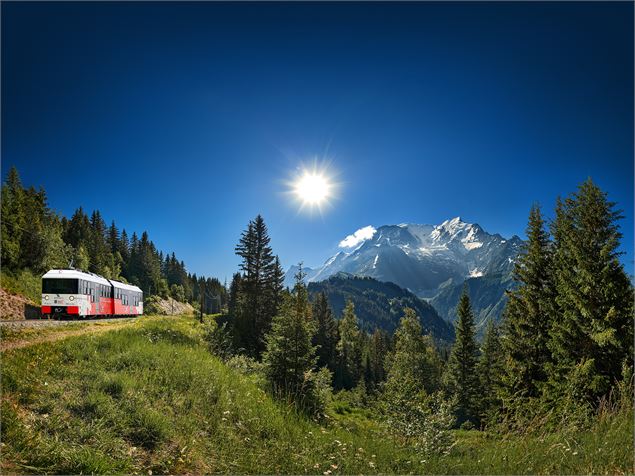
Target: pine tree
[(490, 371), (326, 335), (37, 232), (349, 351), (273, 278), (289, 353), (113, 238), (260, 288), (528, 315), (13, 219), (592, 334), (379, 347), (124, 247), (462, 380), (414, 359)]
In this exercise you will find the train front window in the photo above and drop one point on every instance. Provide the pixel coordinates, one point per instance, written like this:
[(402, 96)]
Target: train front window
[(59, 286)]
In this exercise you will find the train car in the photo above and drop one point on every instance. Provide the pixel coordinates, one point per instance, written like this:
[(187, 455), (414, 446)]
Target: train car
[(128, 299), (74, 293)]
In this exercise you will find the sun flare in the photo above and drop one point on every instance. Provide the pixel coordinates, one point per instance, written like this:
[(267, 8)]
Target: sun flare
[(312, 188)]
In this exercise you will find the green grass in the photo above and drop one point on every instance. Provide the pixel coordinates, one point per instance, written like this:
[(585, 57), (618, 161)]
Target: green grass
[(23, 282), (150, 397)]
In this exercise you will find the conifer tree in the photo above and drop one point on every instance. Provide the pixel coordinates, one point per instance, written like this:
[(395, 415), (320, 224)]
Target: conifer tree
[(273, 283), (490, 371), (379, 347), (592, 334), (326, 335), (462, 381), (260, 288), (124, 247), (289, 353), (414, 362), (113, 237), (13, 219), (528, 314), (349, 351)]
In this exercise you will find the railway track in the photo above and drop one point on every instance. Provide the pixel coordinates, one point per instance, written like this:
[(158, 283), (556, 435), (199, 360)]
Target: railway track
[(24, 323)]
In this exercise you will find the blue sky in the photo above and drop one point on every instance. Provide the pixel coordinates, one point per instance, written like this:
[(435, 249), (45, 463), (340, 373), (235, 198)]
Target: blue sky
[(186, 119)]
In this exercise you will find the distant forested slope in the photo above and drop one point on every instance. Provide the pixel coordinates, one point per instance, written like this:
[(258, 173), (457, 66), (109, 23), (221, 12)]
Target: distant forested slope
[(487, 296), (379, 304)]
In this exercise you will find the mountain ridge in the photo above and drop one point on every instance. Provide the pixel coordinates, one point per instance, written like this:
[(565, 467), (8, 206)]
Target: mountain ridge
[(431, 261)]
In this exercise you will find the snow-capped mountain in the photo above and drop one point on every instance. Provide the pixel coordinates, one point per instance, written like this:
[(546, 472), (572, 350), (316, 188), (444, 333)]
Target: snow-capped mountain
[(423, 258)]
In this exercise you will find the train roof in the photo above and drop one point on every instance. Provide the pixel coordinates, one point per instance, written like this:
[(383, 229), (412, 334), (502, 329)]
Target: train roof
[(121, 285), (75, 274)]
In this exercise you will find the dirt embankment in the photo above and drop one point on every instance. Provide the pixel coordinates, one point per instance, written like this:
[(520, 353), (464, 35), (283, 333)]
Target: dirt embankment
[(166, 307), (14, 306)]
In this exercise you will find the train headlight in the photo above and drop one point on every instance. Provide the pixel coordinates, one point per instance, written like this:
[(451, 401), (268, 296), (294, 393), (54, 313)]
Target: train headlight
[(46, 298), (71, 298)]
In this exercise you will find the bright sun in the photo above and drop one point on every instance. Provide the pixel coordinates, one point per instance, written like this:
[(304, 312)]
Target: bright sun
[(312, 188)]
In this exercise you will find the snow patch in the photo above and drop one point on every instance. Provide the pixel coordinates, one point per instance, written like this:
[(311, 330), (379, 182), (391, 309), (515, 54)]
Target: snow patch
[(475, 273), (473, 245), (375, 262)]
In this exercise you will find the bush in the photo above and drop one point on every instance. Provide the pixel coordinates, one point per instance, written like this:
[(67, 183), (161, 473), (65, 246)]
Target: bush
[(424, 420), (219, 340), (246, 365), (356, 397), (151, 305), (316, 392), (177, 292)]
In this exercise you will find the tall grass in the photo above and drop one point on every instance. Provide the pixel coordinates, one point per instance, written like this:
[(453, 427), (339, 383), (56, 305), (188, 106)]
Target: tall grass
[(152, 398)]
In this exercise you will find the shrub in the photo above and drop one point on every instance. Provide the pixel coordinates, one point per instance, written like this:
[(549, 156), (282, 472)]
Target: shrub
[(151, 305), (424, 420), (219, 340), (316, 392), (246, 365)]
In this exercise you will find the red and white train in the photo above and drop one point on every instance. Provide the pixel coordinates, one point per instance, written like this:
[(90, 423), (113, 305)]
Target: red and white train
[(69, 292)]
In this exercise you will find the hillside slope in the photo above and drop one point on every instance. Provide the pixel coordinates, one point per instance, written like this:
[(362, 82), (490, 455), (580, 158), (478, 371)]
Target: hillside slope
[(379, 304), (151, 399)]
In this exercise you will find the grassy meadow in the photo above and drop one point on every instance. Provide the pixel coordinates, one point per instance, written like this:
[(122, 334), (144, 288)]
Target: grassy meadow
[(150, 398)]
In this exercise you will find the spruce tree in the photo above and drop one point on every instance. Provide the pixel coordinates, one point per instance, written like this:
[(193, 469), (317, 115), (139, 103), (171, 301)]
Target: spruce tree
[(379, 348), (490, 371), (260, 288), (414, 360), (462, 381), (592, 334), (13, 219), (289, 353), (113, 237), (326, 335), (349, 352), (528, 314)]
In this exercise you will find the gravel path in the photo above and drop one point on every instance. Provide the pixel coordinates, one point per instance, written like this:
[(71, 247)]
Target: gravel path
[(23, 323)]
